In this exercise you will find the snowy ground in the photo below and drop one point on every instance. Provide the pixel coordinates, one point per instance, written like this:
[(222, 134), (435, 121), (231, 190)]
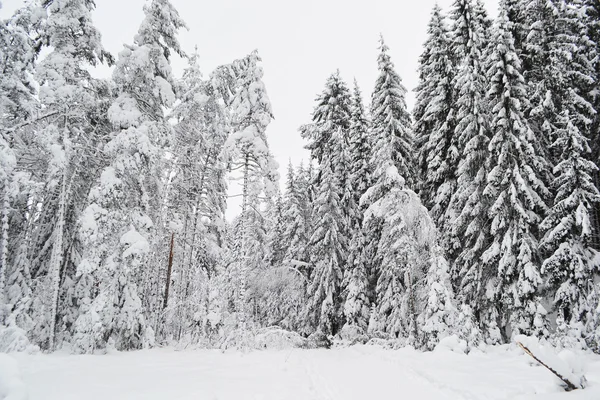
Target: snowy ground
[(359, 372)]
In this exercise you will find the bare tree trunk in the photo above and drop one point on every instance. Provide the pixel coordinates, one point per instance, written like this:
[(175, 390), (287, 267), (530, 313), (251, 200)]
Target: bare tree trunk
[(169, 271), (56, 261), (243, 258), (4, 252)]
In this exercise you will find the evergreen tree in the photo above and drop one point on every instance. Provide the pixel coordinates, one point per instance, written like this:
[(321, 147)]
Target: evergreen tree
[(471, 137), (67, 89), (327, 253), (356, 280), (515, 193), (295, 232), (569, 267), (122, 219), (390, 116), (246, 149), (434, 121), (331, 114)]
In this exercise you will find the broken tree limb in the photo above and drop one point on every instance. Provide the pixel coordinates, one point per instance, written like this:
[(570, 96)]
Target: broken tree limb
[(570, 385)]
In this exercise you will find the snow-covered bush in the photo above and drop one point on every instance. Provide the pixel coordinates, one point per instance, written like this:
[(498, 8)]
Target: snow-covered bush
[(14, 339)]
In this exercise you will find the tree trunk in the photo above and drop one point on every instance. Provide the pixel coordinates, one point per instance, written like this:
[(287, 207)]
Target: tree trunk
[(169, 271), (56, 260), (4, 253)]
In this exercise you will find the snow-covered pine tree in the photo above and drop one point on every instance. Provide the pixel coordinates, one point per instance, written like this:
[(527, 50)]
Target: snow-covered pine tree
[(196, 196), (518, 24), (468, 211), (328, 249), (593, 31), (515, 192), (331, 114), (356, 279), (569, 268), (68, 91), (123, 216), (295, 230), (439, 318), (247, 150), (389, 115), (404, 254), (434, 121)]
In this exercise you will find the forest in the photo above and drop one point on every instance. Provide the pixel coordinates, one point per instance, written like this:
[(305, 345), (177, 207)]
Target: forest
[(475, 214)]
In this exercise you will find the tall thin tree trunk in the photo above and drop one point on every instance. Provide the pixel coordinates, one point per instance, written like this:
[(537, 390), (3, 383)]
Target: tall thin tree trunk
[(243, 255), (56, 261), (169, 271), (4, 253)]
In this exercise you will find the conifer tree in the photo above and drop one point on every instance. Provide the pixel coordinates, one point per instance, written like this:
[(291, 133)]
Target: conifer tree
[(247, 149), (331, 114), (328, 250), (356, 280), (569, 268), (122, 219), (390, 116), (471, 137), (67, 89), (434, 121), (515, 193), (295, 232)]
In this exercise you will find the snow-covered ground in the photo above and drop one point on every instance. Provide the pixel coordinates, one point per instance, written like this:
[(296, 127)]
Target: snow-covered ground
[(358, 372)]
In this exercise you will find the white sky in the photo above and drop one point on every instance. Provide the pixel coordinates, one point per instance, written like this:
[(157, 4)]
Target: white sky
[(301, 44)]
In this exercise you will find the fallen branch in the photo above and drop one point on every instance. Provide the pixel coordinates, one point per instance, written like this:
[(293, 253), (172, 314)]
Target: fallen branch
[(570, 385)]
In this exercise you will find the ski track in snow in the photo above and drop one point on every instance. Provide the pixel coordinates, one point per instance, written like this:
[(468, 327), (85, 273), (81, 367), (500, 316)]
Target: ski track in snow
[(359, 372)]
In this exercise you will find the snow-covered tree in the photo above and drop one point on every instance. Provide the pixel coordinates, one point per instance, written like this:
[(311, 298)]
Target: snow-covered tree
[(439, 316), (296, 232), (356, 279), (389, 114), (332, 113), (434, 122), (328, 249), (247, 150), (122, 219), (569, 267), (471, 136), (515, 194), (69, 92)]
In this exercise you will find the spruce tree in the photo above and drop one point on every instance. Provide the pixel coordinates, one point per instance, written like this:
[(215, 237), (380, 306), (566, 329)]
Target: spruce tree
[(327, 251), (356, 282), (515, 193), (390, 116), (434, 121), (331, 114), (295, 230), (471, 138), (570, 268)]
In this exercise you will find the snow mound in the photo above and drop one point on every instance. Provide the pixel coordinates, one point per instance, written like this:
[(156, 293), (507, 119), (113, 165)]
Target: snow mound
[(353, 334), (11, 386), (452, 343)]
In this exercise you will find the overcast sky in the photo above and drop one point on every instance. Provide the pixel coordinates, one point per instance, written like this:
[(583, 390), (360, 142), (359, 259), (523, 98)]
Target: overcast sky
[(301, 44)]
